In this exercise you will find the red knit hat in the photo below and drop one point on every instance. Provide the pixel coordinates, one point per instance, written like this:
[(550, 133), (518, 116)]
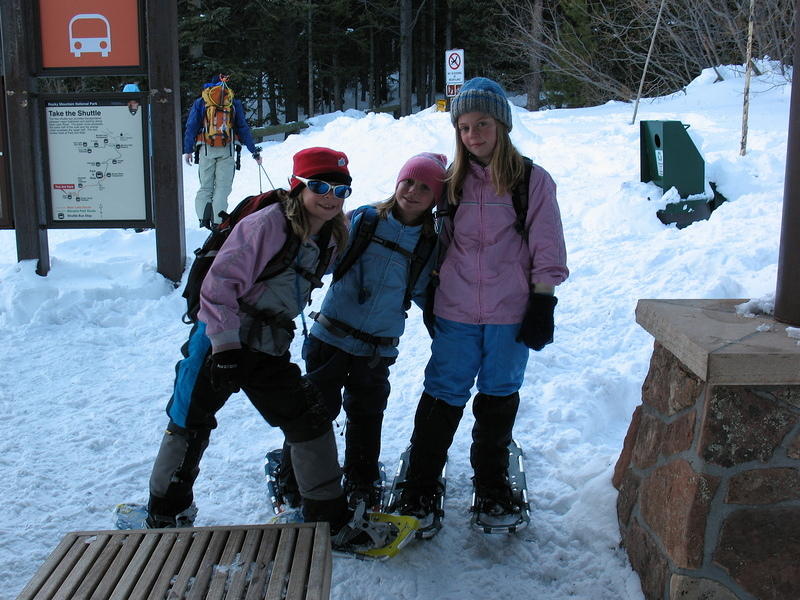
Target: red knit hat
[(320, 163), (427, 167)]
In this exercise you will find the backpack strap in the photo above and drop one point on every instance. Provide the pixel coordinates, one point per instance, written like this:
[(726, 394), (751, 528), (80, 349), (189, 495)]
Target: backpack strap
[(419, 258), (365, 230), (519, 197)]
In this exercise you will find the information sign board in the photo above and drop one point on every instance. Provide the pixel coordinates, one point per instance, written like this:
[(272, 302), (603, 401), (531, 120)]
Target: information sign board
[(98, 168), (97, 34)]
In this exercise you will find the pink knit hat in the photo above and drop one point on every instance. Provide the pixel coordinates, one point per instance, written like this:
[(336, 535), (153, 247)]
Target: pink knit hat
[(427, 167)]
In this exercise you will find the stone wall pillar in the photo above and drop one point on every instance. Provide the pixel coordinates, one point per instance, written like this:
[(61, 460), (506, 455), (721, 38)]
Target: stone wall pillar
[(709, 475)]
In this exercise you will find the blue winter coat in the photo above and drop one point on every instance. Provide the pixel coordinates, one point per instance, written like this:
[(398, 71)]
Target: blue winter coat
[(383, 274), (194, 125)]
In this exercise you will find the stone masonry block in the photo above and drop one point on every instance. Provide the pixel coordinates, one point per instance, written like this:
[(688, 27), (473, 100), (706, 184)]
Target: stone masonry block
[(759, 549), (682, 587), (674, 501), (648, 441), (794, 448), (764, 486), (669, 386), (627, 498), (740, 426), (647, 560), (624, 460)]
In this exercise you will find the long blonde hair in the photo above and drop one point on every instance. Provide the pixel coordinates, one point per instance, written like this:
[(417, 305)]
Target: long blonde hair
[(298, 219), (506, 165)]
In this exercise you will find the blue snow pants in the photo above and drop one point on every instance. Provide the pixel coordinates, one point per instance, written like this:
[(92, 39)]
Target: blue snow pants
[(462, 351)]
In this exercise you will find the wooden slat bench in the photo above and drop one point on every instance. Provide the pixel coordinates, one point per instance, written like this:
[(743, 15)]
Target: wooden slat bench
[(251, 562)]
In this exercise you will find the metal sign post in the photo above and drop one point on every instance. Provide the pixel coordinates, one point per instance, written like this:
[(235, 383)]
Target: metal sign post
[(453, 71)]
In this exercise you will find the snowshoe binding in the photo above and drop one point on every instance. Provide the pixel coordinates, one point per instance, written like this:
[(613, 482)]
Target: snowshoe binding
[(503, 506), (426, 505), (282, 488), (371, 493), (373, 536), (130, 515)]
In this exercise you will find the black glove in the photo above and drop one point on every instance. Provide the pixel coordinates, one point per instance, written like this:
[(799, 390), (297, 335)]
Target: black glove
[(225, 374), (537, 325)]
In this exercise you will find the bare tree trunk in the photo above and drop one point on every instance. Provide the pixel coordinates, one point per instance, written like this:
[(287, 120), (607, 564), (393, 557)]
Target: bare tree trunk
[(337, 83), (406, 46), (749, 70), (373, 103), (310, 111), (448, 27), (534, 86), (432, 64)]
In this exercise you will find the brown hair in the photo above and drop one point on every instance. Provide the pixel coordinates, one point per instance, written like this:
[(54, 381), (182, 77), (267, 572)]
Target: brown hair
[(506, 165), (387, 206), (298, 219)]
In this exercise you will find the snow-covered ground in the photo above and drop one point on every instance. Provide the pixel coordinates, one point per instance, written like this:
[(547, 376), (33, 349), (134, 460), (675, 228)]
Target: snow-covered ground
[(87, 353)]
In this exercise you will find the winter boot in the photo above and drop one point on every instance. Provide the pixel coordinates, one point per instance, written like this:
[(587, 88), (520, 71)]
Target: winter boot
[(286, 490), (435, 424), (491, 436), (362, 479), (185, 518), (174, 472)]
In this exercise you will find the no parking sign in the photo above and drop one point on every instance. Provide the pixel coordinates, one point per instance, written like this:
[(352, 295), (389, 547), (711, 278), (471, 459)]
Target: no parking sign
[(453, 71)]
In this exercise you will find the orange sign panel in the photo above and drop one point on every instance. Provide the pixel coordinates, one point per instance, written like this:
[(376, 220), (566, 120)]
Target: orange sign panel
[(89, 33)]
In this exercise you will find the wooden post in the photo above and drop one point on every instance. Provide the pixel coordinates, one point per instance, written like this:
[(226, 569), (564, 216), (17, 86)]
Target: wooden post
[(165, 121), (787, 308), (24, 136)]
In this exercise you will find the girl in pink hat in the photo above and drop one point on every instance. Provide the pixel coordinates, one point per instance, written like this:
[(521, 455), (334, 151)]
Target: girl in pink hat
[(354, 339)]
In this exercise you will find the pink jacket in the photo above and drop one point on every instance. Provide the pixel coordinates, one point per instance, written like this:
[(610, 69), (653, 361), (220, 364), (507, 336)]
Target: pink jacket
[(487, 269)]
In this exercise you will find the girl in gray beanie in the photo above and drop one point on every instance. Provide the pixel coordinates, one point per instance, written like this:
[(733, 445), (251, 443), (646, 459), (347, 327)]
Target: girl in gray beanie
[(494, 302)]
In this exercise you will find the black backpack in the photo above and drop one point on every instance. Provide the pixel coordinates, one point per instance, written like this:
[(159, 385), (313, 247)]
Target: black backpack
[(283, 259), (519, 198), (365, 234)]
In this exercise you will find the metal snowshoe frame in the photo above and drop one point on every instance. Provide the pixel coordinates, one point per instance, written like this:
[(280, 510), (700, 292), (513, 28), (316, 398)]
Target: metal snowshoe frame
[(518, 520)]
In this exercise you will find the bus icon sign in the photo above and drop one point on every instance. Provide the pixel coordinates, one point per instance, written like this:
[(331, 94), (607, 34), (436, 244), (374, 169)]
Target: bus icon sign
[(84, 23)]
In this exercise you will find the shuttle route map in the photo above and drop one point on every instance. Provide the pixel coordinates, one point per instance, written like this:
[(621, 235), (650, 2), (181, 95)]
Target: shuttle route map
[(96, 161)]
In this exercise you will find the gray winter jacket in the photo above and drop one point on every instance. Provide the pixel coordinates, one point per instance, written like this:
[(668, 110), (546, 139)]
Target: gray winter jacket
[(252, 243)]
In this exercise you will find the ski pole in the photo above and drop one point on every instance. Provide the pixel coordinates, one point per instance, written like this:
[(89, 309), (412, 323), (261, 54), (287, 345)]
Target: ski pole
[(267, 175)]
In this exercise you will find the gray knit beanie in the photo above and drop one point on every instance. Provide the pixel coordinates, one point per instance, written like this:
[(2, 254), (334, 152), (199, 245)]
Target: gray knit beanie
[(480, 94)]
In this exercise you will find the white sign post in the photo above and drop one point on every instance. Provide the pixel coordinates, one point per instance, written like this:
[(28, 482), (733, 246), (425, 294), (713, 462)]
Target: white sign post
[(453, 71)]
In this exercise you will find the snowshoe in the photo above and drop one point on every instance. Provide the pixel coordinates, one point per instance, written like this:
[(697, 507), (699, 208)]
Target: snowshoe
[(426, 506), (373, 536), (371, 493), (282, 496), (503, 508), (135, 516)]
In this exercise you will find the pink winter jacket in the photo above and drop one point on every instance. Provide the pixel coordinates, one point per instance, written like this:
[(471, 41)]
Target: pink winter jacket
[(487, 270)]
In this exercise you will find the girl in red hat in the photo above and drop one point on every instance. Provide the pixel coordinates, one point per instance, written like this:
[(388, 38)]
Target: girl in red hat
[(242, 342)]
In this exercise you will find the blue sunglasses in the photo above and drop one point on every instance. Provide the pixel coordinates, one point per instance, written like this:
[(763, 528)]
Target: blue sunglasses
[(323, 187)]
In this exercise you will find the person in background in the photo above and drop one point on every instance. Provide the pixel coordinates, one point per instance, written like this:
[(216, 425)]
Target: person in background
[(354, 339), (133, 105), (495, 301), (215, 131)]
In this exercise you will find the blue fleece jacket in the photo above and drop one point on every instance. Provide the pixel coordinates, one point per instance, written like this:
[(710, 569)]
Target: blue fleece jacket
[(369, 297)]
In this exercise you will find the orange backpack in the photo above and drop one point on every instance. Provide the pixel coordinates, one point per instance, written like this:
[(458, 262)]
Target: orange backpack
[(218, 123)]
